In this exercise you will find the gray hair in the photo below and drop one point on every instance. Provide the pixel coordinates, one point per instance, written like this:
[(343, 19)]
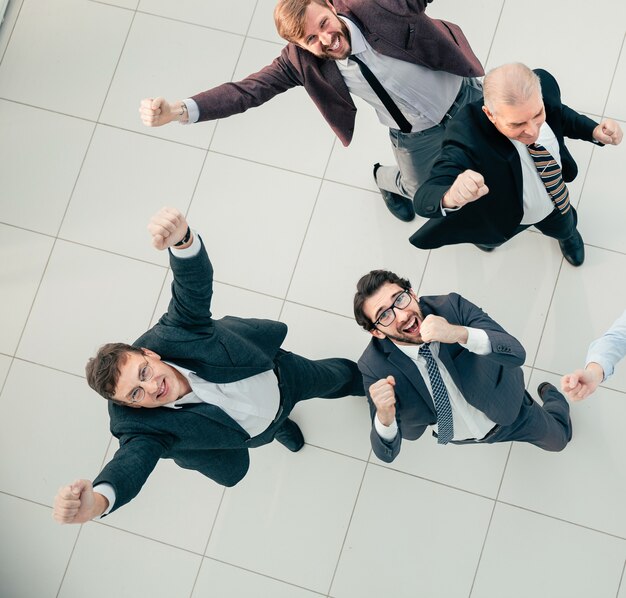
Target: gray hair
[(509, 84)]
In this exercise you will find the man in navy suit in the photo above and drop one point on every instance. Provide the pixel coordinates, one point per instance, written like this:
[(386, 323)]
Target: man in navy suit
[(486, 186), (424, 65), (441, 361), (195, 389)]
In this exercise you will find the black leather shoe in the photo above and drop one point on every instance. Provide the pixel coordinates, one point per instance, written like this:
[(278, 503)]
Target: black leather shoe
[(573, 249), (486, 248), (558, 397), (543, 387), (401, 207), (290, 435)]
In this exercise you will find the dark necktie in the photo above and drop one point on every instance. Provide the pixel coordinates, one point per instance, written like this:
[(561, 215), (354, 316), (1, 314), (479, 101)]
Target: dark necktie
[(445, 425), (550, 173), (403, 124)]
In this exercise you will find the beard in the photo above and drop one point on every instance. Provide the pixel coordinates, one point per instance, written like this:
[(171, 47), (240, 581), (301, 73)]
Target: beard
[(346, 34)]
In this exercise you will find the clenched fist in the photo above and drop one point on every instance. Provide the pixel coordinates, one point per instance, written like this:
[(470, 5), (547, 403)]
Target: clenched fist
[(167, 227), (155, 112), (78, 503), (436, 328), (468, 186), (384, 399)]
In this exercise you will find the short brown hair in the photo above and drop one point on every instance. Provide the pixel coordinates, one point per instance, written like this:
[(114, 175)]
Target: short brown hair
[(289, 17), (367, 286), (103, 370)]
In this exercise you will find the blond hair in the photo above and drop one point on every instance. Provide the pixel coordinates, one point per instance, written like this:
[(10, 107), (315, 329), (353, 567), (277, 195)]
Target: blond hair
[(289, 16)]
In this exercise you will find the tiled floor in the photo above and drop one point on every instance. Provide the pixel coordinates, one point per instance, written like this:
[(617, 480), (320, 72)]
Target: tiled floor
[(291, 219)]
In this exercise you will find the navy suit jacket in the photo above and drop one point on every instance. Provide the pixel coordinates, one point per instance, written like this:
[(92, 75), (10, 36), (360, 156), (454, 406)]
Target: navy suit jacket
[(395, 28), (473, 142), (492, 383), (197, 436)]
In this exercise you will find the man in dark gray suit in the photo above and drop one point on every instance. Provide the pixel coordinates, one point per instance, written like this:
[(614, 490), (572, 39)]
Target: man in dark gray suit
[(194, 389), (416, 72), (441, 361)]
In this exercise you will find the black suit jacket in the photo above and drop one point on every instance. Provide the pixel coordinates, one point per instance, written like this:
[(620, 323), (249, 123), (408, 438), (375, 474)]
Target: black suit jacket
[(197, 436), (492, 383), (473, 142), (395, 28)]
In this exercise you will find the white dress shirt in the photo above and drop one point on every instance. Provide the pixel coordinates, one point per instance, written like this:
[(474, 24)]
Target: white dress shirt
[(468, 422)]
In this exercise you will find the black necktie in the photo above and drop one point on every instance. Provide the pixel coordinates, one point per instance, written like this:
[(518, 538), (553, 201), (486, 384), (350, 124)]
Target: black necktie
[(550, 173), (403, 124)]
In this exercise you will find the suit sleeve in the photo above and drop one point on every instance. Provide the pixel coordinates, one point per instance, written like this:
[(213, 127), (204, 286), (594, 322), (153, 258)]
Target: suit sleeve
[(256, 89), (131, 465), (192, 290), (506, 350), (386, 451), (455, 157)]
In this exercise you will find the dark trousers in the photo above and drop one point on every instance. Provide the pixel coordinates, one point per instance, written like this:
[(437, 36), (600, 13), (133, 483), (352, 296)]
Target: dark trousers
[(300, 379), (556, 225), (548, 427)]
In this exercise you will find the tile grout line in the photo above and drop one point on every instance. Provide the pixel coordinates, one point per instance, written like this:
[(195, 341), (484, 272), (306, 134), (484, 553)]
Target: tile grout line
[(621, 579), (495, 30), (10, 35)]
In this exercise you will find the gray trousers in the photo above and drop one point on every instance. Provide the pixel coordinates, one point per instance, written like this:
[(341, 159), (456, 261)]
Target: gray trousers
[(416, 153)]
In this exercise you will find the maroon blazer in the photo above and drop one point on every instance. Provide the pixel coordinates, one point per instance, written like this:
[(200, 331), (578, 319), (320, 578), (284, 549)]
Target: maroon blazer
[(395, 28)]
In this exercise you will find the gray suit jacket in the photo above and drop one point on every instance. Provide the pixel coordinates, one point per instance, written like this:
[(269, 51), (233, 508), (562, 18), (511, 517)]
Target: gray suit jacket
[(198, 436), (492, 383), (395, 28)]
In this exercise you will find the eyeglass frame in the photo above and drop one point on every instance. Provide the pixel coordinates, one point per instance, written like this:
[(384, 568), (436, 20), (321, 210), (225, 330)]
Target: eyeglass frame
[(146, 378), (393, 308)]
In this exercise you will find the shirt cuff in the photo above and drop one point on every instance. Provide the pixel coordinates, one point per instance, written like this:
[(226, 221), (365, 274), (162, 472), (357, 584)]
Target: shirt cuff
[(191, 251), (386, 432), (193, 112), (607, 366), (477, 341), (109, 493)]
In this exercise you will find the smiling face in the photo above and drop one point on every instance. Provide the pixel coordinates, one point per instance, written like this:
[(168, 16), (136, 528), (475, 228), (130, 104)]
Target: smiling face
[(405, 329), (146, 381), (325, 34), (520, 122)]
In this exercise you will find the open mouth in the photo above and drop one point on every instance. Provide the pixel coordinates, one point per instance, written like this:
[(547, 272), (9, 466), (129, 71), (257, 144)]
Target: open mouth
[(413, 326), (162, 391), (334, 46)]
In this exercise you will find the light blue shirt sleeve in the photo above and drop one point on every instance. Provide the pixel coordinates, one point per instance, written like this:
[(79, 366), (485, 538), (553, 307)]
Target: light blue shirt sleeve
[(609, 348)]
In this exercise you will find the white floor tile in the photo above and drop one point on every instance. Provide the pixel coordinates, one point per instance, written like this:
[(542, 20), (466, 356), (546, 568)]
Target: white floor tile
[(527, 554), (351, 233), (34, 549), (240, 207), (486, 278), (175, 506), (404, 535), (60, 63), (130, 4), (584, 484), (340, 425), (291, 510), (125, 179), (5, 364), (67, 427), (229, 16), (586, 302), (288, 131), (262, 25), (174, 60), (477, 469), (524, 26), (107, 560), (24, 256), (225, 581), (601, 214), (616, 106), (88, 298), (56, 144)]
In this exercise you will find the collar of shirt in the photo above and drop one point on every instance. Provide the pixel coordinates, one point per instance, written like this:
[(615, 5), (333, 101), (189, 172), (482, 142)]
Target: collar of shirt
[(190, 397)]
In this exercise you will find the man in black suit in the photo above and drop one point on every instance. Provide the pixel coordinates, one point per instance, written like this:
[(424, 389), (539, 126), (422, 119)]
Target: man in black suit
[(194, 389), (441, 361), (504, 165)]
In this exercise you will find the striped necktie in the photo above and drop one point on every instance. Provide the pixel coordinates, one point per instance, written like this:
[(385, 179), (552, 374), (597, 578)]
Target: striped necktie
[(550, 173), (445, 425)]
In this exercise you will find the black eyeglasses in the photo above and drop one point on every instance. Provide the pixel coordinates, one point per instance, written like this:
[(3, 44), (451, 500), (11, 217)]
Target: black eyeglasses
[(389, 315)]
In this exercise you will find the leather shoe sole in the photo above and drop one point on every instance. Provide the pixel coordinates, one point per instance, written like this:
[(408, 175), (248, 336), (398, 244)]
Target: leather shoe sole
[(485, 248), (290, 436), (573, 249)]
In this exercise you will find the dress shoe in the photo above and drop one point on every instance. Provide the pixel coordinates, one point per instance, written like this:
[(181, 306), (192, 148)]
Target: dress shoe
[(401, 207), (290, 435), (573, 249), (558, 398), (485, 248)]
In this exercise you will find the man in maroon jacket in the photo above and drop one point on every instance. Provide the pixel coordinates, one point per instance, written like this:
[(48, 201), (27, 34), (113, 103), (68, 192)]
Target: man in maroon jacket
[(415, 71)]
